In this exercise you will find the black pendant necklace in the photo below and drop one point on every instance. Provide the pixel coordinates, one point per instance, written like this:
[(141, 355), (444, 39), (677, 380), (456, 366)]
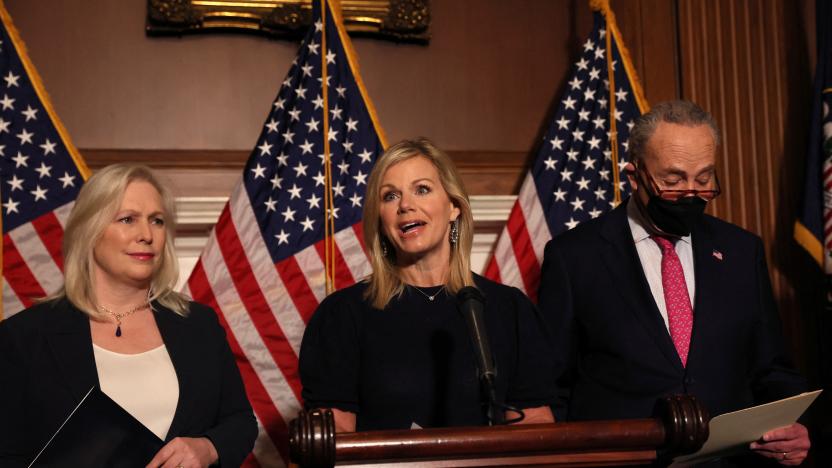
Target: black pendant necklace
[(122, 315)]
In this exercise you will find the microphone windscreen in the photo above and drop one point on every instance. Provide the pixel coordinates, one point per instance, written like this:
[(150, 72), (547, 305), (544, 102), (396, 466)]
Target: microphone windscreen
[(470, 292)]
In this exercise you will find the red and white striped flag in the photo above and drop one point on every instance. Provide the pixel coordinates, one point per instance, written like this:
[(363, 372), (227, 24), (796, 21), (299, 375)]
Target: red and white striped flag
[(265, 267), (576, 174), (41, 173)]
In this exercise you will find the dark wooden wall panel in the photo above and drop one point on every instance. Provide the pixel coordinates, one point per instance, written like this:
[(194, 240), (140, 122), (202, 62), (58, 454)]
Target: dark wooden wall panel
[(648, 28), (745, 61)]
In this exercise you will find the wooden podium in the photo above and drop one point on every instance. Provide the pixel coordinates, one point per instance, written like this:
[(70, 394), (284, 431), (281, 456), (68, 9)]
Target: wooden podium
[(680, 427)]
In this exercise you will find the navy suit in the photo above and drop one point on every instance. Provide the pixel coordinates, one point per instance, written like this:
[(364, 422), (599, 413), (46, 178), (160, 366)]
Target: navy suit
[(616, 357), (47, 365)]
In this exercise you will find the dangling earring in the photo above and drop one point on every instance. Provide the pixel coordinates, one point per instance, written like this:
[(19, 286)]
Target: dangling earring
[(454, 236), (383, 247)]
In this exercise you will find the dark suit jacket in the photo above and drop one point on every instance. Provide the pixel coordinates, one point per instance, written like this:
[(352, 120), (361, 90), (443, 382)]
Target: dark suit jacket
[(616, 355), (47, 365)]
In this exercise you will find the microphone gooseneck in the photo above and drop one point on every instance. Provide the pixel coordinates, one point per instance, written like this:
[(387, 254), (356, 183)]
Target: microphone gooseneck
[(471, 305)]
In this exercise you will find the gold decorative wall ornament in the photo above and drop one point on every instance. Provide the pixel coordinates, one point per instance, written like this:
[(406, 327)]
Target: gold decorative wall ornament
[(401, 20)]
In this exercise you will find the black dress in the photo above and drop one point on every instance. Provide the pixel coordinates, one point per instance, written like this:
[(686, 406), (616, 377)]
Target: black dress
[(413, 362)]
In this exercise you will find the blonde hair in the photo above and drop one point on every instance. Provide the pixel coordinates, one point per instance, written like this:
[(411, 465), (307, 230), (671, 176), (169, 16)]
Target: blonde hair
[(385, 282), (98, 202)]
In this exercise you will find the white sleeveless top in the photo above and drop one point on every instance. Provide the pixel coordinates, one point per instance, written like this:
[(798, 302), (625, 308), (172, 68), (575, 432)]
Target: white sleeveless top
[(144, 384)]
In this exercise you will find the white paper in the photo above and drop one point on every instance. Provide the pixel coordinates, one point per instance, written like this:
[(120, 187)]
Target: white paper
[(732, 432)]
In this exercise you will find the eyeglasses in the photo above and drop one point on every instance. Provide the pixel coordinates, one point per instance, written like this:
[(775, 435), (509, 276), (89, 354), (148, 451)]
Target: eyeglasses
[(675, 194)]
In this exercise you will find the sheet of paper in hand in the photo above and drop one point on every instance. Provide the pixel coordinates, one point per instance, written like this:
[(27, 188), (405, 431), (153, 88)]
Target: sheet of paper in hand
[(730, 433)]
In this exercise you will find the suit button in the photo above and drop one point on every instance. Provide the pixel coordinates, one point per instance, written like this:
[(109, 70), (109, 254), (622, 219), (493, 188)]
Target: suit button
[(689, 380)]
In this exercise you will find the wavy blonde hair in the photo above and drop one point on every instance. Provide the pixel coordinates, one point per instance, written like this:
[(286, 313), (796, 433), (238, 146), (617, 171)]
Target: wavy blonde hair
[(96, 206), (385, 282)]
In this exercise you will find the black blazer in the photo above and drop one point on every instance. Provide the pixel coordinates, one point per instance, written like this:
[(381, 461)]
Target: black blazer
[(616, 357), (47, 366)]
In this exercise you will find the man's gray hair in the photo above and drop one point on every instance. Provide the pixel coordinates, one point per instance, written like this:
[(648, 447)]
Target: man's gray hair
[(677, 112)]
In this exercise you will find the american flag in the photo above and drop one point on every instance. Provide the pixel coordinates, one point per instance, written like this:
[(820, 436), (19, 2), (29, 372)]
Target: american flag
[(264, 267), (41, 174), (576, 174)]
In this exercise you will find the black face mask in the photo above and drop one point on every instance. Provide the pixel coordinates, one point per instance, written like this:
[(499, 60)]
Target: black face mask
[(675, 217)]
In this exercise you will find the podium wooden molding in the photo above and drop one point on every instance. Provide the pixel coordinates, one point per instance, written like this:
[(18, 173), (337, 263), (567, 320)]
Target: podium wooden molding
[(680, 427)]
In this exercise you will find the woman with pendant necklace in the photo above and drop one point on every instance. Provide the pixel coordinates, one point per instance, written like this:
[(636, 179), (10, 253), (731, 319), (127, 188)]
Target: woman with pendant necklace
[(393, 351), (118, 323)]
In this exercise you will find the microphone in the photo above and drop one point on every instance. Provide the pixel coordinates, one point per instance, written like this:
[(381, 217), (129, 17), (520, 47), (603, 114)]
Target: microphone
[(471, 304)]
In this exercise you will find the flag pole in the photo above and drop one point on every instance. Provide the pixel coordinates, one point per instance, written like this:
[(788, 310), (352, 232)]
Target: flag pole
[(603, 6), (616, 172), (329, 239), (329, 254)]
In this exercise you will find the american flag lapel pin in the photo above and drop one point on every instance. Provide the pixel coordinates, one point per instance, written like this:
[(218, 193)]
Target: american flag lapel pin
[(717, 254)]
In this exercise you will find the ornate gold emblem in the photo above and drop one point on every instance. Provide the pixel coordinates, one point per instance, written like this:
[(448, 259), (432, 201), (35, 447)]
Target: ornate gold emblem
[(404, 20)]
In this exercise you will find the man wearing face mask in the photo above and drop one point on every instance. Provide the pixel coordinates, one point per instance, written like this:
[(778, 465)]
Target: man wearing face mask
[(656, 298)]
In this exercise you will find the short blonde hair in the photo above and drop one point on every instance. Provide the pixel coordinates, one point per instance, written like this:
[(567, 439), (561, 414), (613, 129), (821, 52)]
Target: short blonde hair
[(96, 205), (385, 282)]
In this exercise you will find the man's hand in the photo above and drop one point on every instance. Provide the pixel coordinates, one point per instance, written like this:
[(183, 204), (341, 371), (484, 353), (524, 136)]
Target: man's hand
[(788, 445)]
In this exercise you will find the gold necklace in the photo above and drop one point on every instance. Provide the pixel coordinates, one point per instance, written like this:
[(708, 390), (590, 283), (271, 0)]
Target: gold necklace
[(122, 315)]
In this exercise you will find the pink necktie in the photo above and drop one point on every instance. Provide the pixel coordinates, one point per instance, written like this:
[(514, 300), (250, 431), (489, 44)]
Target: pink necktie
[(676, 298)]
